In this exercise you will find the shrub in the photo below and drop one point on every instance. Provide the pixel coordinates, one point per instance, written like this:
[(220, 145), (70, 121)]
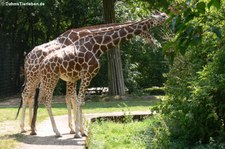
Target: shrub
[(195, 110)]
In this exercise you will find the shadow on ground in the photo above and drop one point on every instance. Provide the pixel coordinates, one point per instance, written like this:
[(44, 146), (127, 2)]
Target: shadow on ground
[(66, 139)]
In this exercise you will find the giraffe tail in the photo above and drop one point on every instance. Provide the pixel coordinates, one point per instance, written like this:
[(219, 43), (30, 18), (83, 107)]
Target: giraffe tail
[(21, 101), (35, 109)]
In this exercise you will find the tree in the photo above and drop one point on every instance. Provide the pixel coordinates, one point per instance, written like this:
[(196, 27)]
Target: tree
[(115, 73)]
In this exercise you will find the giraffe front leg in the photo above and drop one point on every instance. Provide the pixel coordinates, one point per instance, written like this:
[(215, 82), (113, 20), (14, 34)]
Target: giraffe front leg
[(69, 98), (68, 104), (82, 130), (80, 101), (49, 109), (77, 122)]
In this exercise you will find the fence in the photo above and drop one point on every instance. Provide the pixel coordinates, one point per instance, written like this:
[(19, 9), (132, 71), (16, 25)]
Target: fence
[(9, 67)]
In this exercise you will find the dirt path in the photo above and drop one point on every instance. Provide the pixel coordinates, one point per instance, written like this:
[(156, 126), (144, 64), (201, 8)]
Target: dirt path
[(45, 138)]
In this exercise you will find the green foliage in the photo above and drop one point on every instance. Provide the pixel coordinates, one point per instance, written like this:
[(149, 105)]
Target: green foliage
[(209, 98), (191, 21), (194, 110), (60, 88), (198, 114), (144, 64)]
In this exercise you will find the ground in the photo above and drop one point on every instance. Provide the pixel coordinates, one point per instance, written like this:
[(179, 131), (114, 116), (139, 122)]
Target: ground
[(45, 137)]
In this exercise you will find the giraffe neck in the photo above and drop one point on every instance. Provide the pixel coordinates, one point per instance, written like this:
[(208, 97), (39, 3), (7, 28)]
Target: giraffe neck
[(71, 36), (105, 40)]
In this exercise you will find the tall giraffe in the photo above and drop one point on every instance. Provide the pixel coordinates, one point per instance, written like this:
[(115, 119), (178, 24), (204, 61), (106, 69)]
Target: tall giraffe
[(34, 58), (81, 61)]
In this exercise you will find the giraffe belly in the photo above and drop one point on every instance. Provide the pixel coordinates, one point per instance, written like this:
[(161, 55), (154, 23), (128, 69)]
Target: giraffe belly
[(69, 78)]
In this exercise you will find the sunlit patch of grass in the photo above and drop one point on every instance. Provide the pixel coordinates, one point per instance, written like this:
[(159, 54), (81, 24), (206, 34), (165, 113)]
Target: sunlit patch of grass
[(10, 140), (131, 135), (7, 143), (118, 105)]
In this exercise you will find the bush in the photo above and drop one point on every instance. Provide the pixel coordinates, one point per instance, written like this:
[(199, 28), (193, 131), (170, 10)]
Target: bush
[(195, 109)]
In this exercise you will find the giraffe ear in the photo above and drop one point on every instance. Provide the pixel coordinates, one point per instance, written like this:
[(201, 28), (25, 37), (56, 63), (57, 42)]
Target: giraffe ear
[(157, 12)]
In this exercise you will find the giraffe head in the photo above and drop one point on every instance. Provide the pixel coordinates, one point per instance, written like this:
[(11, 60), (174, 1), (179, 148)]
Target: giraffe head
[(159, 17)]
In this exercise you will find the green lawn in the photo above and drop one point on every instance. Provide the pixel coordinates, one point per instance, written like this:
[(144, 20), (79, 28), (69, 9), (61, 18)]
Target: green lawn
[(9, 113), (9, 138), (110, 135)]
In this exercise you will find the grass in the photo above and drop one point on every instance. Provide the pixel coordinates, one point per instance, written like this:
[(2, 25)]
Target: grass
[(132, 135), (9, 127), (152, 133), (9, 113)]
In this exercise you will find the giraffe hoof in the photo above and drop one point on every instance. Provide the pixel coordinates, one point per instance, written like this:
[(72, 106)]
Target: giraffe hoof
[(72, 132), (23, 131), (78, 135), (58, 135), (84, 134), (33, 133)]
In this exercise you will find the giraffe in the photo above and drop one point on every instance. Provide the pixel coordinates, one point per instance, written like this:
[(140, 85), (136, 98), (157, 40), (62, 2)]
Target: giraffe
[(80, 61), (34, 58)]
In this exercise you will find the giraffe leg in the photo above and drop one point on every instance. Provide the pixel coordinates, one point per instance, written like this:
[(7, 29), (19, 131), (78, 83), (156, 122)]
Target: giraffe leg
[(34, 115), (69, 116), (75, 110), (83, 133), (31, 104), (27, 96), (23, 115), (84, 84), (69, 97), (77, 122), (82, 130), (47, 87), (48, 107), (72, 91)]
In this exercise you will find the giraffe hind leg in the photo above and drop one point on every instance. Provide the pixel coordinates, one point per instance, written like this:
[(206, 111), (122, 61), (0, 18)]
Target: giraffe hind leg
[(22, 121), (26, 96), (31, 103)]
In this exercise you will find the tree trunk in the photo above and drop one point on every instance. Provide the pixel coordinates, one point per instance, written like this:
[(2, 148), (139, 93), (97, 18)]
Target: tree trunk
[(115, 72)]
